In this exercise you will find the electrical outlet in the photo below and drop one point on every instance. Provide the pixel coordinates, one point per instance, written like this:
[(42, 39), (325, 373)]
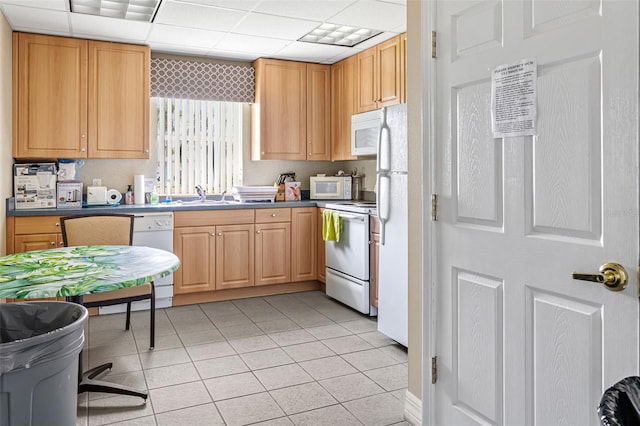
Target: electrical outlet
[(96, 182)]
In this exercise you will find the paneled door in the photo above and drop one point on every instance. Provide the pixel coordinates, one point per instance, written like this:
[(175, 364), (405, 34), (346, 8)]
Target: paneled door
[(519, 340)]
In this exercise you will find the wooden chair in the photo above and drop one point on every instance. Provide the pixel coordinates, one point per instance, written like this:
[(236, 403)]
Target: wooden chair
[(112, 229)]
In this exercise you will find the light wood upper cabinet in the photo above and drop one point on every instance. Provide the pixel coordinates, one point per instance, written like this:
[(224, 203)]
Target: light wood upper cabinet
[(49, 96), (343, 103), (403, 68), (77, 98), (318, 112), (380, 75), (290, 119), (118, 100), (303, 244)]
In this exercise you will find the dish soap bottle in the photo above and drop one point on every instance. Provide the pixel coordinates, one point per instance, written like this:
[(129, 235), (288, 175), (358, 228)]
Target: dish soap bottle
[(155, 198), (128, 197)]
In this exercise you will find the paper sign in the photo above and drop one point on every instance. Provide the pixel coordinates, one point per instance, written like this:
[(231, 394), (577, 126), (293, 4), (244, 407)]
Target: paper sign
[(514, 99)]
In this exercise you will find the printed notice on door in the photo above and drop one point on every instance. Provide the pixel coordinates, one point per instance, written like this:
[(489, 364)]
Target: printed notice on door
[(513, 99)]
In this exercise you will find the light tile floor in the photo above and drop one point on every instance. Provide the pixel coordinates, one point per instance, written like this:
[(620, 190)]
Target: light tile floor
[(295, 359)]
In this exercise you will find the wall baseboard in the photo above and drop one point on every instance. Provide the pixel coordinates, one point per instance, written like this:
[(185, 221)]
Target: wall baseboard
[(412, 409)]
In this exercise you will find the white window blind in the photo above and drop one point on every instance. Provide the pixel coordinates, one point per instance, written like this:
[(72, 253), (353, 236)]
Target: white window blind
[(199, 143)]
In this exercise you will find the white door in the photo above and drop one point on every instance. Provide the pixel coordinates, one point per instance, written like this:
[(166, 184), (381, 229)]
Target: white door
[(519, 341)]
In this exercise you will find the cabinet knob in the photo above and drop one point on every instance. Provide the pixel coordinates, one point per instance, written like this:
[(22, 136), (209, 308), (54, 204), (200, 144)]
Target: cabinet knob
[(146, 151), (273, 215), (309, 154), (219, 234), (213, 234), (258, 231), (53, 243), (82, 135), (83, 149), (57, 224)]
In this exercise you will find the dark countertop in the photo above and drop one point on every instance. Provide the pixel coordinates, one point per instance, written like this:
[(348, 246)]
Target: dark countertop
[(162, 207)]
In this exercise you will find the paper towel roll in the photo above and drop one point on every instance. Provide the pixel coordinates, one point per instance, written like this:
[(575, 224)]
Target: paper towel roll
[(113, 196), (138, 189)]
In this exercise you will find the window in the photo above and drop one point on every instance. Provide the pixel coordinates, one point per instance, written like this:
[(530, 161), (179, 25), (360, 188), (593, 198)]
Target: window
[(198, 143)]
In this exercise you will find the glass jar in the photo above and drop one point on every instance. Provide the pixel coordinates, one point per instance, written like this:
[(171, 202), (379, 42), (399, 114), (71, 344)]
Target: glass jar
[(355, 186)]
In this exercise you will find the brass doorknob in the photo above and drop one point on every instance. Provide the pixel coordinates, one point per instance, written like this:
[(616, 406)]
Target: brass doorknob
[(612, 275)]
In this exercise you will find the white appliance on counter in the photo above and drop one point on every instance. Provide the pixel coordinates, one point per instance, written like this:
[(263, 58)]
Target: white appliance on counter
[(347, 260), (330, 187), (393, 269), (153, 230)]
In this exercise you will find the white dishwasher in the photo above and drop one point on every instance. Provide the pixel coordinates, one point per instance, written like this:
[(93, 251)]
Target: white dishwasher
[(152, 230)]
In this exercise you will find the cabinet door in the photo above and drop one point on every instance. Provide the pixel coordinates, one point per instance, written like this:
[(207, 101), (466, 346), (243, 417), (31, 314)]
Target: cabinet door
[(321, 262), (367, 86), (118, 100), (50, 96), (318, 112), (343, 102), (303, 244), (374, 258), (279, 113), (196, 249), (403, 68), (273, 253), (37, 242), (235, 256), (389, 72)]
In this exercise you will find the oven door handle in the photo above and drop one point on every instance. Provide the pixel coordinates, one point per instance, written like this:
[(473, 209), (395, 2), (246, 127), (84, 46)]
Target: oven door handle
[(359, 218)]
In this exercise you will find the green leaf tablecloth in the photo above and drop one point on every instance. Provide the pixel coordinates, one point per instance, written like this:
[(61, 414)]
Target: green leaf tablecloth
[(74, 271)]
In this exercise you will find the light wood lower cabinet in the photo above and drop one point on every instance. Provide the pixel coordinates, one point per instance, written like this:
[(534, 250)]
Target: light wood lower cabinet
[(321, 259), (273, 253), (304, 222), (374, 257), (234, 256), (32, 242), (196, 248)]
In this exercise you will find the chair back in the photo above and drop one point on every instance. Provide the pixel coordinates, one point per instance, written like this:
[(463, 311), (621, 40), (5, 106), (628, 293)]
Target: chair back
[(97, 229), (620, 404)]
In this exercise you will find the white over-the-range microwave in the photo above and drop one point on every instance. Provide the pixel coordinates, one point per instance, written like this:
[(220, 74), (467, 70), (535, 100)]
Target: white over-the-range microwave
[(330, 187), (365, 128)]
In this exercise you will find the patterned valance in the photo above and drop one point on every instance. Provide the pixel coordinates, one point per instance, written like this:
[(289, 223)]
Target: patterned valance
[(184, 79)]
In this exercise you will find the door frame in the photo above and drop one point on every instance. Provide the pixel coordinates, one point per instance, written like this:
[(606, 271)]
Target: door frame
[(430, 259)]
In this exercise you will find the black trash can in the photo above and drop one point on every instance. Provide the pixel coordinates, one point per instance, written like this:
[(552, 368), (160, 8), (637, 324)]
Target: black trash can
[(39, 347)]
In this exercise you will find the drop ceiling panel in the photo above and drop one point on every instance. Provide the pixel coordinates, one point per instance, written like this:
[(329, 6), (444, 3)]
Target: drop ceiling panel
[(311, 10), (197, 16), (36, 20), (62, 5), (259, 24), (300, 51), (376, 15), (91, 26), (240, 42), (187, 37), (227, 4)]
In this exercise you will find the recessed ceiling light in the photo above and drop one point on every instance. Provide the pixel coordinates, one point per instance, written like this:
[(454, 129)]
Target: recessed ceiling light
[(338, 35), (133, 10)]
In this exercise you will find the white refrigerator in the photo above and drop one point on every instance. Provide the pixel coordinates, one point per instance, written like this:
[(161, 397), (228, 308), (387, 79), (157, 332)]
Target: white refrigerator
[(392, 187)]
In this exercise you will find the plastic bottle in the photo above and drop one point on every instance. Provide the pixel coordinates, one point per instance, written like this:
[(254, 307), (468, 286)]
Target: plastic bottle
[(128, 196), (155, 198)]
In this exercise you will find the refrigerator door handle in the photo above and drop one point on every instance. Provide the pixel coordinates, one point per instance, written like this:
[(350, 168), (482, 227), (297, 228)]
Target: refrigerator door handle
[(384, 162)]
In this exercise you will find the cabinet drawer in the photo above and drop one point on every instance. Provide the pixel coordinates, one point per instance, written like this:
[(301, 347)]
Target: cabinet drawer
[(273, 215), (37, 225), (213, 217)]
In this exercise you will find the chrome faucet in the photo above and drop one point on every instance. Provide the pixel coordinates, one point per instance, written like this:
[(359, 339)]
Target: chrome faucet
[(222, 196), (202, 194)]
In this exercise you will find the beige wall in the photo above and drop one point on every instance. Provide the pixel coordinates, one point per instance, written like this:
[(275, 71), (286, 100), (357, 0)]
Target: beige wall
[(6, 160), (417, 169)]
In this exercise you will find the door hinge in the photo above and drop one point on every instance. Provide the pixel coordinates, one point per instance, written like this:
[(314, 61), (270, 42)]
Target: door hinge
[(434, 206), (434, 370), (433, 44)]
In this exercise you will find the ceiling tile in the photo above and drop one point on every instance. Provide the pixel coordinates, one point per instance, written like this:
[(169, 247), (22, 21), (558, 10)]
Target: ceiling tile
[(228, 4), (304, 9), (40, 20), (311, 52), (62, 5), (197, 16), (180, 36), (375, 15), (173, 49), (233, 56), (259, 24), (108, 28), (376, 40), (245, 43)]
